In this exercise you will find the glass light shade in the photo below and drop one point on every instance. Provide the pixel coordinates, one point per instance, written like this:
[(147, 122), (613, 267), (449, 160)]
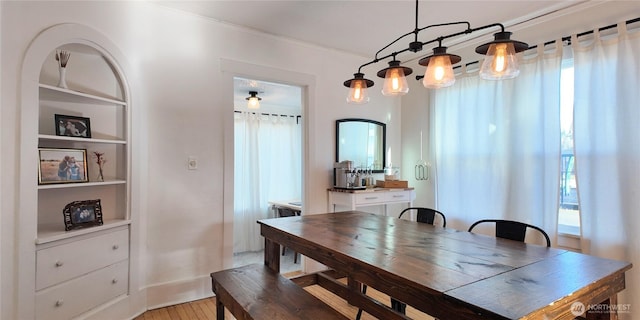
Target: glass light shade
[(395, 83), (439, 73), (253, 103), (358, 92), (500, 62)]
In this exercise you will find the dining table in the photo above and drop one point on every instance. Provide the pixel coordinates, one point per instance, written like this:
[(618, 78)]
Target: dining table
[(444, 272)]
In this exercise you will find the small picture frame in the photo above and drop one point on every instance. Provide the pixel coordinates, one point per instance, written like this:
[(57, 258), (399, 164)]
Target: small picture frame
[(62, 166), (82, 214), (72, 126)]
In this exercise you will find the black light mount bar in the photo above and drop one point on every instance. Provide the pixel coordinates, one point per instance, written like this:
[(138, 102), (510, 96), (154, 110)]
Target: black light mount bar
[(417, 46)]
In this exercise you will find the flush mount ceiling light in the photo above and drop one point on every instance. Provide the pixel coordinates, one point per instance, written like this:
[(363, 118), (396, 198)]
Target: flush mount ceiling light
[(253, 100), (500, 62)]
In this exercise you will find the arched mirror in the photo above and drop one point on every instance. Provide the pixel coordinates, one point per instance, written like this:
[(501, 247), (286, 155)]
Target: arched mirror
[(362, 141)]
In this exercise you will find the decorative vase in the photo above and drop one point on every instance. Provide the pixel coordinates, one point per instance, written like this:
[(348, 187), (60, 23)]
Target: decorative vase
[(62, 83), (100, 176)]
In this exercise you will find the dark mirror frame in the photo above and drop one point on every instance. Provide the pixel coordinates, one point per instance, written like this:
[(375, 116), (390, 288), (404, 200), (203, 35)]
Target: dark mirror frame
[(340, 122)]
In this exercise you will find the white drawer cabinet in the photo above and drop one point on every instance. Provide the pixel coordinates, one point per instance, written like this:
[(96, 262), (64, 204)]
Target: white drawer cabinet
[(67, 261), (74, 297), (369, 197), (74, 276), (399, 196)]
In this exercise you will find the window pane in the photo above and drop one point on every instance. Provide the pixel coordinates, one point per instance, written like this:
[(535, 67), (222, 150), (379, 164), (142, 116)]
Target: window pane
[(569, 215)]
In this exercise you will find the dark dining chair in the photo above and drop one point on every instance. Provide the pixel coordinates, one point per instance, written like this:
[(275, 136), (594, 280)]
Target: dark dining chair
[(423, 215), (287, 212), (512, 230), (426, 215)]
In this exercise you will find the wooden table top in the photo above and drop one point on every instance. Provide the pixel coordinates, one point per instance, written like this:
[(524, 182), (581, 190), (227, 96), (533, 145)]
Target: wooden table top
[(445, 272)]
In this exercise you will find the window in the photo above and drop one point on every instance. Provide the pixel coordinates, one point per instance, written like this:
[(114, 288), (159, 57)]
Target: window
[(569, 213)]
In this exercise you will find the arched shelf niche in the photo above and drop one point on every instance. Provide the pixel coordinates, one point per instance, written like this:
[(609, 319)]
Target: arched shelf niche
[(98, 90)]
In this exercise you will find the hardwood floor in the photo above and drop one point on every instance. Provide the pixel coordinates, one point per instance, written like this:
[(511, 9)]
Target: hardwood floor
[(194, 310), (206, 308)]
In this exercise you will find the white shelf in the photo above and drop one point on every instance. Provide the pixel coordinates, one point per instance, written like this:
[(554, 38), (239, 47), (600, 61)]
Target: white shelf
[(80, 184), (50, 233), (77, 139), (81, 94)]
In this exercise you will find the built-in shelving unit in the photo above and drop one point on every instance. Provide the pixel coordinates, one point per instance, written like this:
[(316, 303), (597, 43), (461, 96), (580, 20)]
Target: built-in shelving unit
[(79, 271), (108, 119)]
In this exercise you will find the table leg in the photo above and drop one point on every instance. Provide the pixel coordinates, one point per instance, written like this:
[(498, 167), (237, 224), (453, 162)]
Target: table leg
[(354, 286), (219, 310), (272, 255), (607, 315)]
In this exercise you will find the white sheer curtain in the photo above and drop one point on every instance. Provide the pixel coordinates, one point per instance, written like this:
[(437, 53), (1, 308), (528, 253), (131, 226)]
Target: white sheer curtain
[(267, 167), (497, 146), (607, 149)]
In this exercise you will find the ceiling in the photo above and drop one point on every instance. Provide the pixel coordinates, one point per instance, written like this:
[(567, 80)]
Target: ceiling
[(276, 97), (363, 27)]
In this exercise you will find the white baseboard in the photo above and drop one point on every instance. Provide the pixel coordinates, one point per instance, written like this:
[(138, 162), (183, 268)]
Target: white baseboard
[(124, 307), (176, 292)]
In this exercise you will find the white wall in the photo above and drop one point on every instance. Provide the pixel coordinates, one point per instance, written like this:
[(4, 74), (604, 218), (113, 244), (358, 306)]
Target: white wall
[(183, 102), (415, 119)]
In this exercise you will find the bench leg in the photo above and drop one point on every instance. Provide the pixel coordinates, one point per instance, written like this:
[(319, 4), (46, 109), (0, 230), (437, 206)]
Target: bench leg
[(219, 310), (272, 255)]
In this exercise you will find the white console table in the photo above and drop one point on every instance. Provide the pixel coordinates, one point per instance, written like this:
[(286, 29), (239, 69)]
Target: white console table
[(370, 197)]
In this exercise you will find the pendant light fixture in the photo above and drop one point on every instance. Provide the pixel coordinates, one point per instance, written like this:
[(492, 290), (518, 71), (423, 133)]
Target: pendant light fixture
[(500, 63), (358, 89), (439, 73), (395, 79), (253, 100)]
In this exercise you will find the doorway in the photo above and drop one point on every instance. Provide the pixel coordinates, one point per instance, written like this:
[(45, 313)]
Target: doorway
[(267, 162)]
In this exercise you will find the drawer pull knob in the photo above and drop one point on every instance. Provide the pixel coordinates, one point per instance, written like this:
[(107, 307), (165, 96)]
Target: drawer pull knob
[(398, 196), (59, 303), (115, 247), (59, 264), (371, 198), (114, 281)]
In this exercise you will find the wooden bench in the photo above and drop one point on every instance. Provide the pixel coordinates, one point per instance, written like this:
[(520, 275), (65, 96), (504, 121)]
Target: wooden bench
[(257, 292)]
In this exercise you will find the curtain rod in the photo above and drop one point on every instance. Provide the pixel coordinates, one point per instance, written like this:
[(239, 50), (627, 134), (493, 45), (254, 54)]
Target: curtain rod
[(298, 117), (582, 34), (270, 114), (568, 38)]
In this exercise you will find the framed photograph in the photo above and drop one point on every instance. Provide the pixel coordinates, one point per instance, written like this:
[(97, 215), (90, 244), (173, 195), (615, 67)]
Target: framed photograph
[(72, 126), (82, 214), (62, 166)]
